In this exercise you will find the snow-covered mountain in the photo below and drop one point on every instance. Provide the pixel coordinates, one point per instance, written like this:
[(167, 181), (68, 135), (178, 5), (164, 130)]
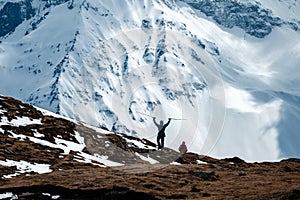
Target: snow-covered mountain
[(228, 67)]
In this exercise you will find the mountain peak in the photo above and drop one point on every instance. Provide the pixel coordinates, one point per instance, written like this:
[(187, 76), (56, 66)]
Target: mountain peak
[(209, 62)]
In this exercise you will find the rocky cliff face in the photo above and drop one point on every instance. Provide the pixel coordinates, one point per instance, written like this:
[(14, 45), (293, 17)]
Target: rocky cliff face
[(13, 13), (44, 156), (251, 17)]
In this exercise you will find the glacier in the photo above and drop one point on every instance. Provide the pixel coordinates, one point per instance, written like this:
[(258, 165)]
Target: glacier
[(228, 68)]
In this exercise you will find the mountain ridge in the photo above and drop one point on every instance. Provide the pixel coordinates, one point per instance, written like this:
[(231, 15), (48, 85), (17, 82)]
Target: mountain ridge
[(38, 148)]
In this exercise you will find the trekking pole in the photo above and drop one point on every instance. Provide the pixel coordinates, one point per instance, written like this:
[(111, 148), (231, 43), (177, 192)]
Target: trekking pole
[(153, 117), (145, 114), (177, 119)]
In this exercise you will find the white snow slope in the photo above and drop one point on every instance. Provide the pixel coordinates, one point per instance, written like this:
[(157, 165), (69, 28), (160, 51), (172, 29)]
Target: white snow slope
[(115, 63)]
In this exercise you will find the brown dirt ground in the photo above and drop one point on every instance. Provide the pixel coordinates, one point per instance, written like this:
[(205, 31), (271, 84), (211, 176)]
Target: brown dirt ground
[(188, 181)]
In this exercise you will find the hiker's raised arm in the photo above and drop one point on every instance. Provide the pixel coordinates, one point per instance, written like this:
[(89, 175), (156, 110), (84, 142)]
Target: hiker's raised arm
[(155, 121), (167, 124)]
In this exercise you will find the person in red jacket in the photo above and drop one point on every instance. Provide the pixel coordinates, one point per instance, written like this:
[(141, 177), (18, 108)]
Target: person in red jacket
[(161, 132), (182, 148)]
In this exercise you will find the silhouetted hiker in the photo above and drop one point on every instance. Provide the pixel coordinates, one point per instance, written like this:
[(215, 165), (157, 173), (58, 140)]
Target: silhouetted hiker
[(182, 148), (161, 132)]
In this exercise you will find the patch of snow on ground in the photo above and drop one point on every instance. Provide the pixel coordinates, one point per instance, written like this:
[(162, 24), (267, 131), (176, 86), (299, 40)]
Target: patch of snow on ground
[(37, 134), (17, 136), (45, 143), (65, 145), (24, 166), (107, 144), (138, 143), (174, 163), (148, 159), (20, 121), (8, 195), (79, 138), (4, 121), (99, 158), (55, 197), (199, 162)]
